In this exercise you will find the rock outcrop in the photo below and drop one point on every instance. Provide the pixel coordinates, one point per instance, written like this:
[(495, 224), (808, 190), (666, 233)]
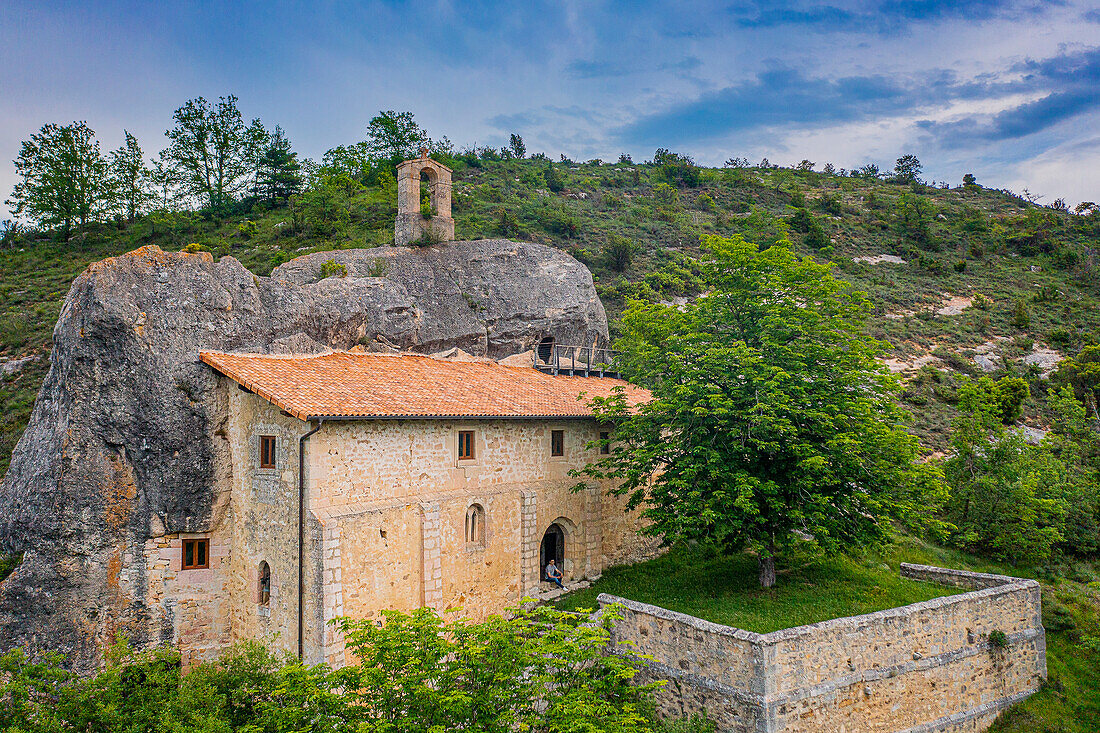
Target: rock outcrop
[(123, 442)]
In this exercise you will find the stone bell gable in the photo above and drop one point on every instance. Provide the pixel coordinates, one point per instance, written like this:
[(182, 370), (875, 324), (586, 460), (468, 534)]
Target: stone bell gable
[(412, 225)]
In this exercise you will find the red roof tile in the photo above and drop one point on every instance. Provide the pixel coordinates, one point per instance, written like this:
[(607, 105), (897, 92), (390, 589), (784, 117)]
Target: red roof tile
[(347, 385)]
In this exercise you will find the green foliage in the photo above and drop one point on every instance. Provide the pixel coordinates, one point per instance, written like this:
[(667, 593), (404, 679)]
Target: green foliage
[(619, 252), (278, 172), (1015, 501), (542, 669), (1082, 374), (131, 179), (770, 412), (332, 268), (212, 154), (914, 217), (969, 181), (1010, 394), (675, 168), (907, 169), (64, 179), (806, 223), (8, 563), (998, 639), (1021, 319), (517, 146), (554, 180), (394, 137)]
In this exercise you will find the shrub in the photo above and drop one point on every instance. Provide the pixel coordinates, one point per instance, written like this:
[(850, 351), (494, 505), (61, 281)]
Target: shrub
[(619, 252), (998, 639), (248, 229), (1021, 319), (332, 268)]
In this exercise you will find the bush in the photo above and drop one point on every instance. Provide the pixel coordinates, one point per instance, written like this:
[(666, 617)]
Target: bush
[(540, 669), (332, 268), (1021, 319), (619, 252)]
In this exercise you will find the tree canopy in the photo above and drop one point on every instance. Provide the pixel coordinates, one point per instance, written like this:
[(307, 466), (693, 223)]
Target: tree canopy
[(64, 178), (771, 420), (212, 151)]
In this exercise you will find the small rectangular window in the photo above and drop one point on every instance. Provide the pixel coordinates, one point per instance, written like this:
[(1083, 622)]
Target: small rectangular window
[(465, 445), (605, 445), (196, 554), (267, 451), (557, 442)]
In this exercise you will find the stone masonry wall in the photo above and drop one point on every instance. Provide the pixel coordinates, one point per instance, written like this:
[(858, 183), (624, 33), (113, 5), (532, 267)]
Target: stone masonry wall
[(915, 669)]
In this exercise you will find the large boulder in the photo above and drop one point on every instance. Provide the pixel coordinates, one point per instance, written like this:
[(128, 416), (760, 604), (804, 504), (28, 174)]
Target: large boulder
[(125, 438)]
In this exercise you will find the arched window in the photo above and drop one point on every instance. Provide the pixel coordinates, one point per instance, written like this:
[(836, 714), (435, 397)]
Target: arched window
[(263, 594), (475, 526)]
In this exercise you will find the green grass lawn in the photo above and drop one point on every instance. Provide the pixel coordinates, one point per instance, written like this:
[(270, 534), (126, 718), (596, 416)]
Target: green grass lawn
[(702, 583), (725, 590)]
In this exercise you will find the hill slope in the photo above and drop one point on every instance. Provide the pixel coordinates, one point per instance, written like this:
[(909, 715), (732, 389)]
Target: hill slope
[(638, 226)]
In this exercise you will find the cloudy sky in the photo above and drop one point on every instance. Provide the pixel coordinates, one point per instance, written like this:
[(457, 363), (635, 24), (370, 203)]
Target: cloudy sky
[(1005, 89)]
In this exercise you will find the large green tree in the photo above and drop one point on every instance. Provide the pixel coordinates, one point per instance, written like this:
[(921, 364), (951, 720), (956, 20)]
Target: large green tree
[(212, 152), (278, 174), (64, 178), (395, 136), (132, 181), (771, 420)]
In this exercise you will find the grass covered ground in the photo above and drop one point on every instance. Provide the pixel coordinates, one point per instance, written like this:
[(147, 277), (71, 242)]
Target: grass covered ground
[(700, 582)]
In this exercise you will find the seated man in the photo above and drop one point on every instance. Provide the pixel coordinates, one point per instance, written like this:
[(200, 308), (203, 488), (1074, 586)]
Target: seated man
[(553, 573)]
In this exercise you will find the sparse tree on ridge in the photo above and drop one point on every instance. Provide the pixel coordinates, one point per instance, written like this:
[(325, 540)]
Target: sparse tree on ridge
[(131, 179), (212, 152), (772, 422), (278, 173), (517, 146), (907, 169), (65, 180)]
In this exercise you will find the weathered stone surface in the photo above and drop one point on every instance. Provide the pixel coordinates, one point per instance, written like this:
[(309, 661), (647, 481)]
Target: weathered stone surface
[(126, 436)]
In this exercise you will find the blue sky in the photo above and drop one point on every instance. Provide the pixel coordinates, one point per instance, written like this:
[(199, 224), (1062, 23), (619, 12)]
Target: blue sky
[(1008, 90)]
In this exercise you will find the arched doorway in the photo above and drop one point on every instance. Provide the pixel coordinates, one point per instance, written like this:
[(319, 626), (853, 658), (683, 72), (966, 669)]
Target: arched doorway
[(552, 548)]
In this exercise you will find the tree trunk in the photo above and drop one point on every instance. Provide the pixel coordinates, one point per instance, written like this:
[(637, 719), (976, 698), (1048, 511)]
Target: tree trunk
[(766, 558)]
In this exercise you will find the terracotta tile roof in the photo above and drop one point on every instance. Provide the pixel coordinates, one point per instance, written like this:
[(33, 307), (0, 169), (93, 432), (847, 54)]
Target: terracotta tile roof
[(351, 385)]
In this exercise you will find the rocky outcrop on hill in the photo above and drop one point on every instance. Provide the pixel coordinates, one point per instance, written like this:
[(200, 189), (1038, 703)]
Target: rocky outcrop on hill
[(123, 442)]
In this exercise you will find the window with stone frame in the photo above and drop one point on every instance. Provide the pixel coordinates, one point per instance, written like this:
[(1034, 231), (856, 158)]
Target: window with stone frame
[(466, 445), (605, 443), (196, 554), (475, 526), (267, 451), (263, 591), (557, 442)]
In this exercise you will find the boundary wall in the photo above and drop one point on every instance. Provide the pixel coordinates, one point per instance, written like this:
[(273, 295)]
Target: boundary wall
[(923, 668)]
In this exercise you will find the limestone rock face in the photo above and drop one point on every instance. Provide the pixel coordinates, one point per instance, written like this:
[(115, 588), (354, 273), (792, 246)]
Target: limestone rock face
[(126, 434)]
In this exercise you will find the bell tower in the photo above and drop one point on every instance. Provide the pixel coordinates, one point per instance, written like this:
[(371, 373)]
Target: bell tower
[(413, 224)]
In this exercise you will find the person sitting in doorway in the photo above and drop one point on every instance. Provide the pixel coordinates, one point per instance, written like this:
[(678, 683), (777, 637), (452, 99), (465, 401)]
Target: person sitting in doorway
[(553, 573)]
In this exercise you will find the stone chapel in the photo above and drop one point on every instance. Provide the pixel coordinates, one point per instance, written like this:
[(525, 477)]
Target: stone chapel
[(358, 482)]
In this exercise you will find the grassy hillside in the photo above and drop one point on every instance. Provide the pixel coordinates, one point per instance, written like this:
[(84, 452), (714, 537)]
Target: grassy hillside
[(637, 227)]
